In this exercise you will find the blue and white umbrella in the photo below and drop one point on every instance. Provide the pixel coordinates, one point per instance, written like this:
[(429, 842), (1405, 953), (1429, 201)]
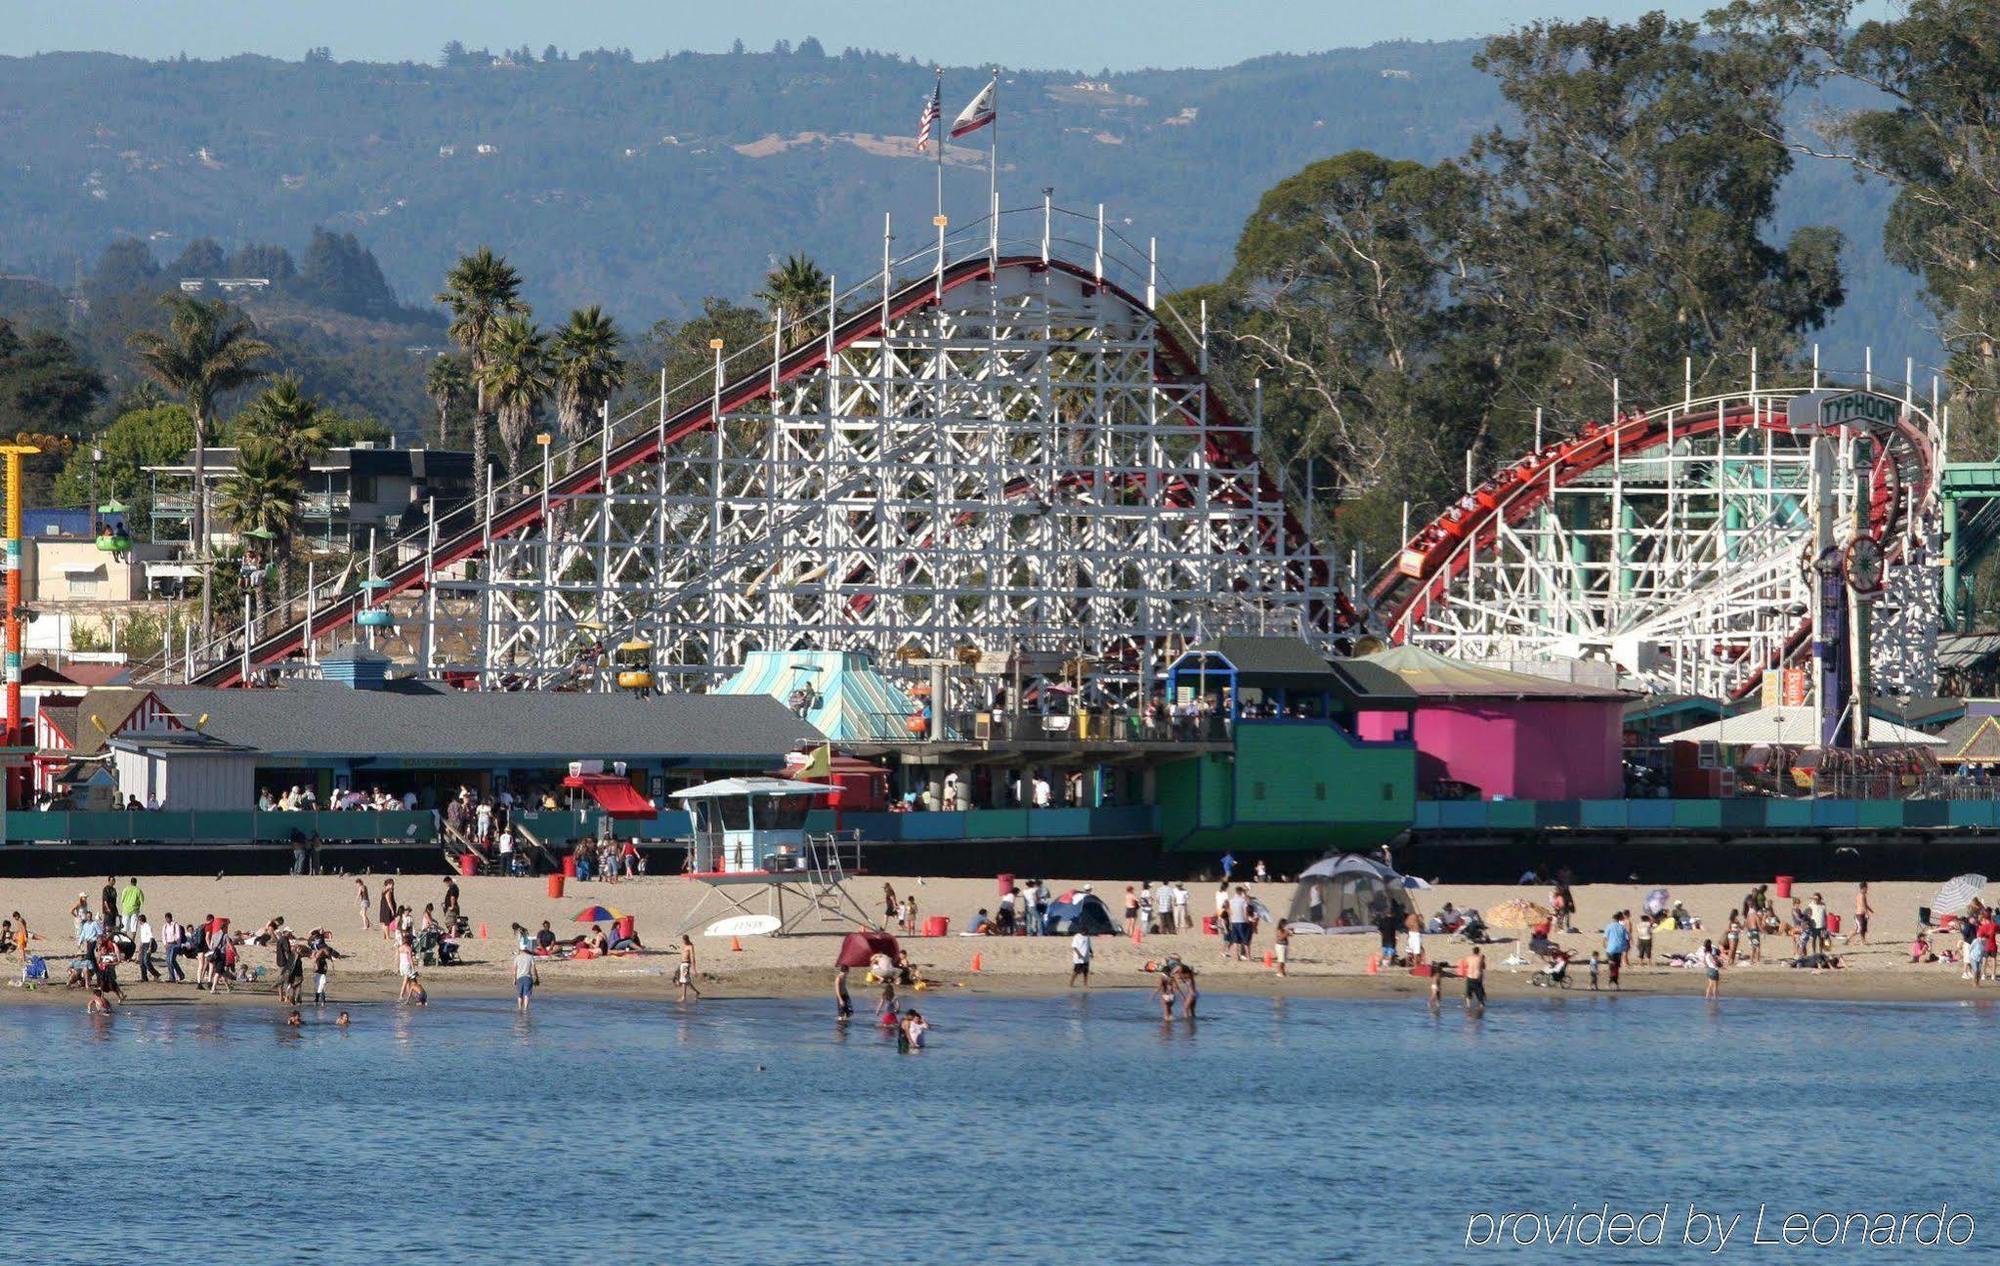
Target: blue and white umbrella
[(1658, 900), (1957, 894)]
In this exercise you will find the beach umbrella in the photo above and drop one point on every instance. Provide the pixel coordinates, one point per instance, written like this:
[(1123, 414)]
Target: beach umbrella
[(1957, 894), (1411, 881), (599, 914), (1517, 914), (1658, 900)]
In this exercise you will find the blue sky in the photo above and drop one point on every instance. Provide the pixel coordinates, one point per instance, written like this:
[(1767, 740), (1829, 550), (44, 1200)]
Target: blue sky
[(1120, 34)]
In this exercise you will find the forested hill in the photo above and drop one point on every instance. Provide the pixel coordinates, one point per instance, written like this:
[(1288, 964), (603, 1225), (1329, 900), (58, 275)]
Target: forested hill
[(646, 185)]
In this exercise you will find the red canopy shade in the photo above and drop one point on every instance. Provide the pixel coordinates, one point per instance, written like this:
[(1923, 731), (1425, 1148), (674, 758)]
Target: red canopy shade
[(859, 947), (614, 795)]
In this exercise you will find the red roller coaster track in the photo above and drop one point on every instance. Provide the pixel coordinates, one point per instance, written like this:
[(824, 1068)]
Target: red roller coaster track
[(1418, 578), (656, 442)]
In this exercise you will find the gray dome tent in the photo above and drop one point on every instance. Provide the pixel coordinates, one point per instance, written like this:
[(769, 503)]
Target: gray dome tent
[(1354, 892)]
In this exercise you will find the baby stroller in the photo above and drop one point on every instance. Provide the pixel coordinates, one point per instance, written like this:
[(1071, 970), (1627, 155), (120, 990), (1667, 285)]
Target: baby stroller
[(1553, 976), (1473, 928), (436, 951)]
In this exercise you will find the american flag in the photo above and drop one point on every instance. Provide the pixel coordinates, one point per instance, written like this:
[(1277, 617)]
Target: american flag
[(933, 111)]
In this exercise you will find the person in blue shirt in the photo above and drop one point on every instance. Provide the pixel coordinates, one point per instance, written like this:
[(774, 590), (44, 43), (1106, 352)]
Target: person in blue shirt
[(1617, 940)]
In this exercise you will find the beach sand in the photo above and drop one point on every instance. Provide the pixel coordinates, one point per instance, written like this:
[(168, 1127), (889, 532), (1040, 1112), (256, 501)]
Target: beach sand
[(801, 965)]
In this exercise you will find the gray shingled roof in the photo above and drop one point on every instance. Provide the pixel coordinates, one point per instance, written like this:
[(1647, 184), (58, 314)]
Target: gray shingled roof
[(323, 718)]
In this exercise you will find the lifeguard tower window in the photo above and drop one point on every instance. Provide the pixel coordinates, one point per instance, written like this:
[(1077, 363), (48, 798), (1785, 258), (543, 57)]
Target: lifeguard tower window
[(734, 812), (785, 813)]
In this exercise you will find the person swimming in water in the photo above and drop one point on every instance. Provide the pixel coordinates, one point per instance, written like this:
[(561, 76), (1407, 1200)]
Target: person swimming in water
[(292, 1020), (340, 1021)]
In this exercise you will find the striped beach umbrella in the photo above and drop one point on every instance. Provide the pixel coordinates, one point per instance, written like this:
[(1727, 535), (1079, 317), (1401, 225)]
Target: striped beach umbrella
[(1957, 894)]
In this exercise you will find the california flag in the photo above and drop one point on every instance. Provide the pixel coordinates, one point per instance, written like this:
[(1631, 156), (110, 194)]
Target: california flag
[(978, 113)]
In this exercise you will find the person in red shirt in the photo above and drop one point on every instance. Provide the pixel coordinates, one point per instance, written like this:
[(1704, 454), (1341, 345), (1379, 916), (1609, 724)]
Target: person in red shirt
[(1989, 934)]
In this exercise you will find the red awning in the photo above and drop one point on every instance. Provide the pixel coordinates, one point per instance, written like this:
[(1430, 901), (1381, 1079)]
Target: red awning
[(614, 795)]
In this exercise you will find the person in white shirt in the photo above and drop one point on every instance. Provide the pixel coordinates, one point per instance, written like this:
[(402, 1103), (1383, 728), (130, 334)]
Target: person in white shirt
[(1180, 907), (1079, 959), (170, 937), (1041, 792), (143, 947), (484, 816), (409, 801), (1239, 923)]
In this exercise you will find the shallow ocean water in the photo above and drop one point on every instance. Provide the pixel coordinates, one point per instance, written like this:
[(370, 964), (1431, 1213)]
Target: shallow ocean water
[(1074, 1128)]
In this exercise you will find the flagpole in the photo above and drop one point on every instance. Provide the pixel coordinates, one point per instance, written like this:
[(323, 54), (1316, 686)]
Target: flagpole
[(993, 151), (940, 140)]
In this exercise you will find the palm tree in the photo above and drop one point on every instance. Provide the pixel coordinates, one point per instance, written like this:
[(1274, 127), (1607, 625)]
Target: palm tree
[(516, 377), (446, 385), (587, 368), (208, 350), (264, 493), (797, 287), (481, 290), (288, 419)]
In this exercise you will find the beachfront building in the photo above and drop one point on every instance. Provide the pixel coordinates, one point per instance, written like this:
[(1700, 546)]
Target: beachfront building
[(72, 733), (1490, 733), (353, 729), (1300, 769), (350, 493)]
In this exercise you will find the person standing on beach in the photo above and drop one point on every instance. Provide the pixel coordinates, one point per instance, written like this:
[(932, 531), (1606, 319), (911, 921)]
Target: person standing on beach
[(1283, 936), (142, 947), (1862, 912), (170, 941), (684, 975), (361, 899), (1131, 912), (21, 933), (1617, 940), (1816, 924), (109, 899), (386, 910), (1239, 923), (1079, 958), (1711, 967), (131, 904), (321, 957), (1473, 968), (526, 977)]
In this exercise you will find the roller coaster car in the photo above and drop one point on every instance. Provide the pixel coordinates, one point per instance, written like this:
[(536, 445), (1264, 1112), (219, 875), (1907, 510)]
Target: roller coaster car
[(375, 619), (635, 666)]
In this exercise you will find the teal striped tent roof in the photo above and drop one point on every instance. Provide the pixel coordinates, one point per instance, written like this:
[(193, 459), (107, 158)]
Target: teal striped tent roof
[(854, 701)]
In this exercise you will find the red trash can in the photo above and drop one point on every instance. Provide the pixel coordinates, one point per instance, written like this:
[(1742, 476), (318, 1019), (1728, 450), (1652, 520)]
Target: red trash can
[(1833, 924), (627, 928), (1784, 886), (936, 925), (1005, 883), (555, 886), (569, 867), (468, 863), (1208, 925)]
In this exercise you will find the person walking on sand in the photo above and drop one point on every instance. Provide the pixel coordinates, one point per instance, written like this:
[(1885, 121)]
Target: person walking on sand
[(1863, 911), (142, 943), (525, 978), (1079, 958), (892, 909), (131, 904), (684, 975), (386, 910), (1711, 968), (1473, 968), (361, 899), (1283, 936)]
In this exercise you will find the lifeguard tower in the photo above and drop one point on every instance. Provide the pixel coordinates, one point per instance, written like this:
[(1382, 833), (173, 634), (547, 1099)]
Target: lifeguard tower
[(749, 835)]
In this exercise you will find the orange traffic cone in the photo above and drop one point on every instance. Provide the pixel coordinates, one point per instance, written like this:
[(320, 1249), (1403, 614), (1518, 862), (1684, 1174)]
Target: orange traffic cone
[(482, 931), (977, 962), (1374, 965), (1138, 935), (735, 945), (1270, 959)]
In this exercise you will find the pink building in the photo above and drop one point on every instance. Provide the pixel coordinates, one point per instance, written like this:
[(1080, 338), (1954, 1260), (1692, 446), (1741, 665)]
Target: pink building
[(1506, 734)]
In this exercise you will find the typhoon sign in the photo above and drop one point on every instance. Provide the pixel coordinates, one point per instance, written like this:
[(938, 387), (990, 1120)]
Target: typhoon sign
[(1824, 412)]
